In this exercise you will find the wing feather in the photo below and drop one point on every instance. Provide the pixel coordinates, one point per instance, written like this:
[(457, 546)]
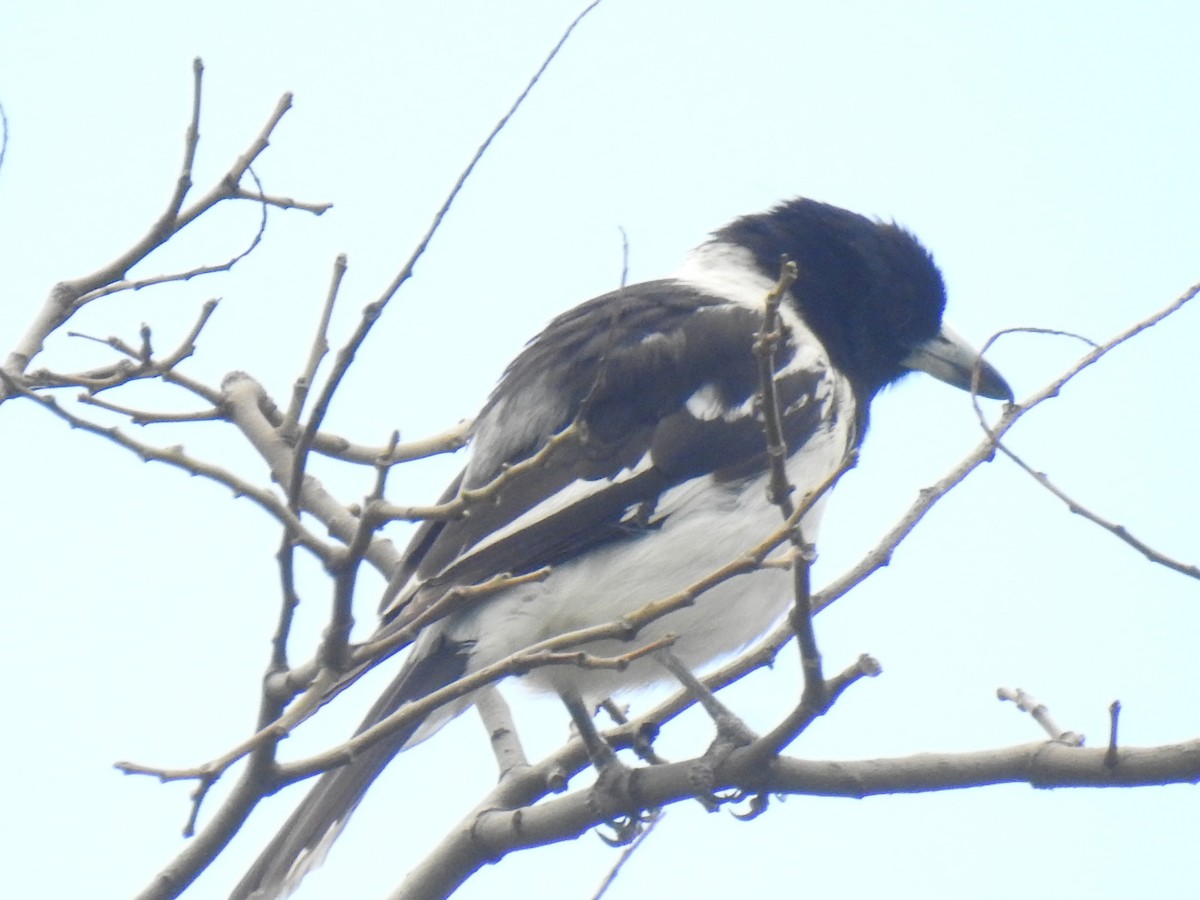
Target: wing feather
[(660, 379)]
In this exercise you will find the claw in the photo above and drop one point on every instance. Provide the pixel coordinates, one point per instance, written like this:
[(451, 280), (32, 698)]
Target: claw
[(625, 829), (758, 806)]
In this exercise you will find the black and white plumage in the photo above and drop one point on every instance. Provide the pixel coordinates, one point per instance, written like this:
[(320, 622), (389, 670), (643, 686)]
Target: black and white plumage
[(669, 479)]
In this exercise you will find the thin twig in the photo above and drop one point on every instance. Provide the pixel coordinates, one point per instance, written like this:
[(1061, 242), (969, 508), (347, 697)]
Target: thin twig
[(1118, 531), (448, 441), (3, 135), (317, 352), (375, 309), (382, 512), (779, 489), (116, 375), (333, 653), (549, 652), (1041, 715), (1074, 506), (624, 257), (1111, 756), (808, 710), (287, 428), (146, 417), (175, 456), (880, 555), (394, 638), (313, 678), (317, 209), (648, 825), (138, 284), (67, 297)]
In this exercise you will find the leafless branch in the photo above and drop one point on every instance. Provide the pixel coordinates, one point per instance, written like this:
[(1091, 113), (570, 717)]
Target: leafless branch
[(388, 512), (138, 365), (1112, 754), (344, 570), (1118, 531), (138, 284), (506, 821), (146, 417), (251, 411), (280, 202), (448, 441), (375, 309), (69, 296), (243, 400), (320, 347), (546, 653), (1041, 715), (503, 823), (396, 638), (779, 489), (175, 456), (1074, 506), (497, 719), (3, 136)]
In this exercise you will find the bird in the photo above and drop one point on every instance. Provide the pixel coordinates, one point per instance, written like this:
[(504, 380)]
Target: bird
[(666, 475)]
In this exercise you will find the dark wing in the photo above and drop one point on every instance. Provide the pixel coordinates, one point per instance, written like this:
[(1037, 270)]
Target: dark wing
[(660, 380)]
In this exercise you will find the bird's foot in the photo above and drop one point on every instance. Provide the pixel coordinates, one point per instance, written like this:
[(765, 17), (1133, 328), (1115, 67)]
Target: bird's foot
[(732, 734), (613, 796)]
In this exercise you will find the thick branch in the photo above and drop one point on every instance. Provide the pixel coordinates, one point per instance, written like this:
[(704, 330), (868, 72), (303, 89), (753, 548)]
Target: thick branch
[(491, 832)]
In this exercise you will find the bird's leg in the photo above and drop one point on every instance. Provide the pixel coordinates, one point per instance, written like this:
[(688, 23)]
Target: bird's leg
[(730, 729), (598, 749), (732, 732), (611, 793), (643, 740)]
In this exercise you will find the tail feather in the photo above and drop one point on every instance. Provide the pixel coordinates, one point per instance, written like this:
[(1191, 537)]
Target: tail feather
[(303, 841)]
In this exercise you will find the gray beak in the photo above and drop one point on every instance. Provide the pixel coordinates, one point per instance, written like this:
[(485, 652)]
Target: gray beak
[(947, 357)]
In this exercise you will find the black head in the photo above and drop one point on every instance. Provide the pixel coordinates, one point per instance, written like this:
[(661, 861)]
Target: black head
[(870, 292)]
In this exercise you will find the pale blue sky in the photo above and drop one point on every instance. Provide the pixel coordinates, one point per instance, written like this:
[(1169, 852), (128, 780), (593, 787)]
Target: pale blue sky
[(1045, 152)]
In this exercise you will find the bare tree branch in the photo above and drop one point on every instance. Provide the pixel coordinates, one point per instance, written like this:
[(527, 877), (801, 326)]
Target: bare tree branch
[(247, 407), (374, 310), (3, 136), (1098, 351), (243, 404), (1041, 715), (497, 827), (69, 296), (320, 347), (138, 284), (1118, 531), (175, 456), (511, 817), (448, 441)]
